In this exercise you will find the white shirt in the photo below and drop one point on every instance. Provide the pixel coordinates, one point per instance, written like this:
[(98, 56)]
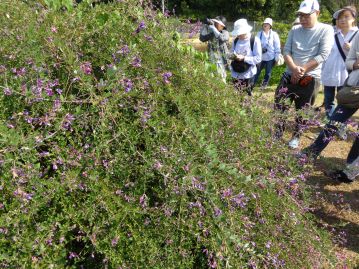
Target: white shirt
[(270, 41), (334, 71), (243, 47)]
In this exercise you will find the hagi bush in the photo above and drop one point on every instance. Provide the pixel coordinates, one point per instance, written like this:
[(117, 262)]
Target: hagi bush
[(119, 150)]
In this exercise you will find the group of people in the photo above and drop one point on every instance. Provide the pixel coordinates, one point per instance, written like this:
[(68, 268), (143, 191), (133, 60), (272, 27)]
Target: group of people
[(315, 54)]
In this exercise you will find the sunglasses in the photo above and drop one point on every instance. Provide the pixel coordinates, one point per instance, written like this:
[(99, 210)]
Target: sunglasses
[(303, 15)]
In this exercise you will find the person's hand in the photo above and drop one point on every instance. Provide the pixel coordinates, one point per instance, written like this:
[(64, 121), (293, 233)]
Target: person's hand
[(347, 46), (297, 73), (239, 57), (356, 64)]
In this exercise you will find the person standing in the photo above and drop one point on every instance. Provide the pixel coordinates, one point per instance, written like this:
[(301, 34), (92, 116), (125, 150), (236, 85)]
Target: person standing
[(215, 33), (334, 71), (308, 45), (345, 109), (270, 51), (246, 54)]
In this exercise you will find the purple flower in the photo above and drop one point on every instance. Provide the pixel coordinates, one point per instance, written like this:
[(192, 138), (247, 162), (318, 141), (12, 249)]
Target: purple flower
[(136, 62), (73, 255), (166, 76), (127, 83), (7, 91), (124, 50), (86, 67), (114, 242), (149, 38), (19, 71), (226, 193), (217, 212), (140, 27), (53, 29), (66, 124), (143, 200), (49, 91), (283, 90), (157, 165)]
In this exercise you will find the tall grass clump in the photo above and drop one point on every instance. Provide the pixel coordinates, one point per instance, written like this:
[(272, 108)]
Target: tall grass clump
[(119, 150)]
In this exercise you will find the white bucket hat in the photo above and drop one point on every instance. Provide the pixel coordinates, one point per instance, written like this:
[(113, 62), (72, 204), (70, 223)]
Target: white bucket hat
[(269, 21), (308, 6), (241, 27), (219, 22)]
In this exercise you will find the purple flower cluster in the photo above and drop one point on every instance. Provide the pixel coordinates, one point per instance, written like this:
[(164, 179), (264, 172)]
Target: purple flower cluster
[(136, 62), (7, 91), (86, 67), (166, 77), (127, 84), (67, 121), (140, 27)]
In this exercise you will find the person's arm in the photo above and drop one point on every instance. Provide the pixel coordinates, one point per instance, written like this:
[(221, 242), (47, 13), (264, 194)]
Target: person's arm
[(297, 71), (276, 45), (205, 33), (325, 47), (221, 36), (352, 62), (256, 58)]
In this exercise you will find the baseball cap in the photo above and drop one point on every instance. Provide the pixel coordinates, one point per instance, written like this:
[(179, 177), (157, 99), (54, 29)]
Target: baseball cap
[(308, 6)]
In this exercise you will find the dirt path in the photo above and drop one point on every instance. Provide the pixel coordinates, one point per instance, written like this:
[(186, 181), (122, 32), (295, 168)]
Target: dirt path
[(337, 206)]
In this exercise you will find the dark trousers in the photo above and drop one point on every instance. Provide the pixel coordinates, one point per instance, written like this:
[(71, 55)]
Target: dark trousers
[(242, 85), (329, 96), (268, 65), (287, 93), (340, 115)]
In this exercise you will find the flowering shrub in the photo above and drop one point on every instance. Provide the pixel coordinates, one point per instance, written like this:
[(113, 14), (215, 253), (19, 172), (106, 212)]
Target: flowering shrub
[(118, 150)]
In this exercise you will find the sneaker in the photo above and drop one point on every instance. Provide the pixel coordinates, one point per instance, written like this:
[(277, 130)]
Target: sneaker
[(342, 132), (294, 143), (341, 177)]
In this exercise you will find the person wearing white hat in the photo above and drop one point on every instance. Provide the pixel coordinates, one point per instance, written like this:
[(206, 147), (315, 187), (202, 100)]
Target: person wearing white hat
[(308, 45), (246, 54), (215, 33), (334, 70), (270, 51)]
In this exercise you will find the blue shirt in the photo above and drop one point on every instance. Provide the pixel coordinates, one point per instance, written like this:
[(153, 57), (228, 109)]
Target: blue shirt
[(272, 43)]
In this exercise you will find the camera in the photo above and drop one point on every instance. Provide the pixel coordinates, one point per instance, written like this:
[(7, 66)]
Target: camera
[(264, 50), (208, 21)]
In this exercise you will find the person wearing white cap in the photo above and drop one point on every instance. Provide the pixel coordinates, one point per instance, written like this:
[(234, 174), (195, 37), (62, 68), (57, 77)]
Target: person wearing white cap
[(270, 50), (308, 45), (215, 33), (334, 70), (246, 54)]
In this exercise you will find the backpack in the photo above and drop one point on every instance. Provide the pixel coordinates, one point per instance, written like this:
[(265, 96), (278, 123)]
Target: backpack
[(241, 66)]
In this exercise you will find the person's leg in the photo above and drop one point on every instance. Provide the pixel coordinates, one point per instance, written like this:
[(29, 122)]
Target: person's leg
[(354, 151), (268, 69), (282, 101), (315, 92), (302, 100), (259, 70), (340, 115), (329, 95)]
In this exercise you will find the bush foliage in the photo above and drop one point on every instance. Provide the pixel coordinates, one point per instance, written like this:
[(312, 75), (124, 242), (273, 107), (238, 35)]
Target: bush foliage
[(119, 150)]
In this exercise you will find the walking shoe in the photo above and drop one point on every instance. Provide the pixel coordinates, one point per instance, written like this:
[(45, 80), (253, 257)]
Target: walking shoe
[(342, 132), (340, 176), (294, 143)]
